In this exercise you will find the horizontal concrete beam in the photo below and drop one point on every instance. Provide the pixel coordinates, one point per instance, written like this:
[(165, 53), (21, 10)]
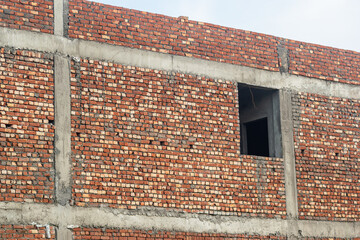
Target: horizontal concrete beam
[(27, 213), (148, 59)]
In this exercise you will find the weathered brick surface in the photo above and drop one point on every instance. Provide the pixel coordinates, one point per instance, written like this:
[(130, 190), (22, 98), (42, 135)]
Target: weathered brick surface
[(155, 32), (26, 132), (26, 232), (179, 36), (35, 15), (323, 62), (147, 138), (327, 149), (98, 233)]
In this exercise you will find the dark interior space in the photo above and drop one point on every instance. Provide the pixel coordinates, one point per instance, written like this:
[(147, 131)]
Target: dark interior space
[(257, 137)]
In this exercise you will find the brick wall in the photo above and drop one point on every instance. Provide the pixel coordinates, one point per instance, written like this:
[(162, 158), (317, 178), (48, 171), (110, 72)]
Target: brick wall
[(144, 139), (155, 32), (326, 63), (26, 129), (147, 138), (20, 232), (35, 16), (179, 36), (127, 234), (327, 149)]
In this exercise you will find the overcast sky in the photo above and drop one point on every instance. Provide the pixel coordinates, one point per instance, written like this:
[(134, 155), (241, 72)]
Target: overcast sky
[(333, 23)]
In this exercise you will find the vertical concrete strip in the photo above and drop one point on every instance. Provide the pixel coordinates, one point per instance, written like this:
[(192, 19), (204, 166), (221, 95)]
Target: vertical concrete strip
[(62, 130), (288, 153), (61, 12), (63, 233), (283, 55), (62, 139)]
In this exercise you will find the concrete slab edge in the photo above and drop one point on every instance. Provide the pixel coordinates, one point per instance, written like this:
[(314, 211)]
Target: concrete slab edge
[(71, 217)]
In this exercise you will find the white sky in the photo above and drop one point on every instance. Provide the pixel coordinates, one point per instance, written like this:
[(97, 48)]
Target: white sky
[(334, 23)]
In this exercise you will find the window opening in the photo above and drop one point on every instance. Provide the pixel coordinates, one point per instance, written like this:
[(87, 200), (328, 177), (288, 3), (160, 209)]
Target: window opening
[(259, 113)]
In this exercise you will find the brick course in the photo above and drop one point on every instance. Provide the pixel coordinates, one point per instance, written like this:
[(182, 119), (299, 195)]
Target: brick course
[(21, 232), (147, 138), (26, 129), (180, 36), (322, 62), (35, 16), (127, 234), (327, 149)]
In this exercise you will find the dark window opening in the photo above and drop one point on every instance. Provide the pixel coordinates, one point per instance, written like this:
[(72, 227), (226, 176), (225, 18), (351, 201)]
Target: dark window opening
[(259, 113), (257, 137)]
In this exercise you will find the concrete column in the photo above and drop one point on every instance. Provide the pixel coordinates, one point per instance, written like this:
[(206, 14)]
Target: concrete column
[(288, 153), (62, 233), (61, 16), (62, 138), (62, 130)]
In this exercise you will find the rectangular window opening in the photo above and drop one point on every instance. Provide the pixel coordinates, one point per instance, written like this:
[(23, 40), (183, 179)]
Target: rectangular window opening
[(259, 113)]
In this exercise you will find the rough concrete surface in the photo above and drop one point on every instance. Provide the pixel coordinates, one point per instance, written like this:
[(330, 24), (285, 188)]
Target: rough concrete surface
[(288, 153), (62, 130), (13, 213)]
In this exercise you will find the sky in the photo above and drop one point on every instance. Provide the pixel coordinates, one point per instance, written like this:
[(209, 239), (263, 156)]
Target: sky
[(334, 23)]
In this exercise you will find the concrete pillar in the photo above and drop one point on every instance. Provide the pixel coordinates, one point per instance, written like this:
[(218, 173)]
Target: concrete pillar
[(62, 131), (61, 17), (288, 153), (62, 139), (62, 233)]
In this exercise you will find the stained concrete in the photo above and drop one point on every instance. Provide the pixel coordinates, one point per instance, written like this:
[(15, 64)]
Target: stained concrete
[(288, 153), (71, 217), (62, 130), (283, 55)]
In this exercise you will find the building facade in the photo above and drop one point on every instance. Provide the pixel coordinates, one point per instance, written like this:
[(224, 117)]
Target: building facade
[(122, 124)]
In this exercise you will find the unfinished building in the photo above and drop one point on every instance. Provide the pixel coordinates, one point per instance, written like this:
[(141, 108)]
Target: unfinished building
[(122, 124)]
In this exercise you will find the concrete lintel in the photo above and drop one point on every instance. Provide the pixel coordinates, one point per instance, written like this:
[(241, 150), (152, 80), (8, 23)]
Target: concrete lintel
[(68, 217), (62, 130), (148, 59)]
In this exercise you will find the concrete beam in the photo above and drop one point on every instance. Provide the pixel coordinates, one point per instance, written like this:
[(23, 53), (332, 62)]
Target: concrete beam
[(62, 130), (147, 59), (70, 217)]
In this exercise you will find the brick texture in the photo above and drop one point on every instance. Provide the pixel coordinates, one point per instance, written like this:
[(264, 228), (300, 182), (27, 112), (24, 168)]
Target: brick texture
[(26, 232), (147, 138), (180, 36), (327, 149), (26, 129), (323, 62), (35, 16), (127, 234)]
